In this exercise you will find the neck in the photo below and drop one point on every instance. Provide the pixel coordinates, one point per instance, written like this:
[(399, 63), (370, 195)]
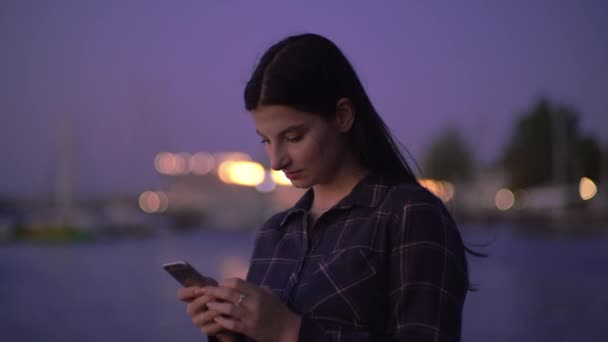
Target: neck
[(339, 186)]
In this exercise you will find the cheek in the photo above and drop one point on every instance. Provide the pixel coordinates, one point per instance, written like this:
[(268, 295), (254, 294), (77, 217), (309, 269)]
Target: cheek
[(307, 153), (316, 153)]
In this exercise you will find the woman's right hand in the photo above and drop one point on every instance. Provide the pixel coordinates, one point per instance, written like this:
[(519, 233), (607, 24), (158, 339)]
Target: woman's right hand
[(201, 316)]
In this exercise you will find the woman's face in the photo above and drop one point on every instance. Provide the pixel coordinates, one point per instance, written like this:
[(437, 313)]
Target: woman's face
[(307, 147)]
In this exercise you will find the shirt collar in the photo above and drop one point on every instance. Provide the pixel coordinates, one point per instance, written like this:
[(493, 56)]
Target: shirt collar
[(369, 192)]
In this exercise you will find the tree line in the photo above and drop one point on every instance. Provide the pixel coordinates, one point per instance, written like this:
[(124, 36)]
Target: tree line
[(546, 146)]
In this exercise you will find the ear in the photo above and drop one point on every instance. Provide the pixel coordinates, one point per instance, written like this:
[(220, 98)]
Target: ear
[(345, 114)]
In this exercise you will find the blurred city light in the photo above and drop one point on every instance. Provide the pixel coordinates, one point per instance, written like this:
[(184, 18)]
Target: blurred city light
[(442, 189), (279, 178), (182, 163), (201, 163), (268, 184), (245, 173), (165, 163), (504, 199), (164, 201), (168, 163), (153, 202), (587, 188), (221, 157)]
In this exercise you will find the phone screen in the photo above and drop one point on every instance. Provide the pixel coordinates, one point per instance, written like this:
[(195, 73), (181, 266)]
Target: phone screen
[(187, 275)]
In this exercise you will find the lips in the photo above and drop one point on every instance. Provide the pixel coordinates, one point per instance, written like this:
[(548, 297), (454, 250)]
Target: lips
[(293, 174)]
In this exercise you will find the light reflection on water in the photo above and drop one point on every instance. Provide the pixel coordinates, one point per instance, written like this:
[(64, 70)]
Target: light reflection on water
[(531, 288)]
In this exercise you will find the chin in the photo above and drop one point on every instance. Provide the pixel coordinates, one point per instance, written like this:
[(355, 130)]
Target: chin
[(301, 184)]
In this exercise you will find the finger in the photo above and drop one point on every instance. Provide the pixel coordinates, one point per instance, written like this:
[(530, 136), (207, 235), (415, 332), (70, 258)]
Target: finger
[(231, 324), (226, 308), (224, 293), (187, 294), (198, 305), (204, 318)]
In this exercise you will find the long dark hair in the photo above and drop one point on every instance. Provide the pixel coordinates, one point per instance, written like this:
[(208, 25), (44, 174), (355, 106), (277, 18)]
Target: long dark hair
[(308, 72)]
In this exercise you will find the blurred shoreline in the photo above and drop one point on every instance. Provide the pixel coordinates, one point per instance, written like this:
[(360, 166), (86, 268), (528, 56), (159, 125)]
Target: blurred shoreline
[(121, 218)]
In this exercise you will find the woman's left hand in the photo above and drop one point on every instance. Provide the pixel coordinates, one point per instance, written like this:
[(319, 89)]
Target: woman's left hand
[(253, 311)]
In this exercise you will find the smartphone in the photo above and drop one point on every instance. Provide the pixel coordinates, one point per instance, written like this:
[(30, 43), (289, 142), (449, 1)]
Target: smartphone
[(187, 275)]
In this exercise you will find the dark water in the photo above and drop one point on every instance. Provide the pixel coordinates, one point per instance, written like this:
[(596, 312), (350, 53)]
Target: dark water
[(531, 288)]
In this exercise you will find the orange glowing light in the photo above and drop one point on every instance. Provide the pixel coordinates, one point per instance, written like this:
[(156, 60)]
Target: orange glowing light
[(279, 178), (246, 173)]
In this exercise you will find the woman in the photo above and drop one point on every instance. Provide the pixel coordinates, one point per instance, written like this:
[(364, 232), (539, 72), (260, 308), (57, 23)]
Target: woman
[(367, 254)]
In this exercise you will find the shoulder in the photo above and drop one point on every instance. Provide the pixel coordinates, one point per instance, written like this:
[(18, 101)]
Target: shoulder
[(420, 215), (405, 197)]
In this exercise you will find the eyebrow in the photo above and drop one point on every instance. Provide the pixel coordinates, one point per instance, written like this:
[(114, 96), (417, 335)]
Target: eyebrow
[(286, 130)]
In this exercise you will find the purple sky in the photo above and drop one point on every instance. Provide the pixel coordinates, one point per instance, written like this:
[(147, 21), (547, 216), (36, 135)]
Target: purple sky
[(138, 77)]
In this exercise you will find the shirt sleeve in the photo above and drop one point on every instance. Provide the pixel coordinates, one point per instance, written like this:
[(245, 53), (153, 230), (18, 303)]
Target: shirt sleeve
[(427, 276)]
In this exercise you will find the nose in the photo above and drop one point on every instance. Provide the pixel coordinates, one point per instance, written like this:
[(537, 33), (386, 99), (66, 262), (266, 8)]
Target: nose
[(279, 158)]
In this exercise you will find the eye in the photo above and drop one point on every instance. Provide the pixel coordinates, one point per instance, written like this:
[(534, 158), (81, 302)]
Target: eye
[(264, 141), (294, 138)]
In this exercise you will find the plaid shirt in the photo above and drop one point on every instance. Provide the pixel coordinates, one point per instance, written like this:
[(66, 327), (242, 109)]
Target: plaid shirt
[(386, 263)]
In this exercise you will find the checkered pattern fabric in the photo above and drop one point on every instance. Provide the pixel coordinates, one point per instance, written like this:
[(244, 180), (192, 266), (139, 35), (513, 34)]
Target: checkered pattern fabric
[(386, 263)]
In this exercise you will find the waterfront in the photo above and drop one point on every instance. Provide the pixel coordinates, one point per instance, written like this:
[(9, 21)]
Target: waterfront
[(531, 287)]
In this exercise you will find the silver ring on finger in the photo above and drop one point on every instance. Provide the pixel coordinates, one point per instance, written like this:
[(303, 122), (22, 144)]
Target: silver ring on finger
[(241, 297)]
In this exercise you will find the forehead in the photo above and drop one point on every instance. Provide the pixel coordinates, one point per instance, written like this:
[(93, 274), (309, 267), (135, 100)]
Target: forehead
[(273, 119)]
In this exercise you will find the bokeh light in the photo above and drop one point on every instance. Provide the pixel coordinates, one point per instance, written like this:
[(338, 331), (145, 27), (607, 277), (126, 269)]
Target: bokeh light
[(153, 202), (587, 188), (201, 163), (279, 178), (182, 163), (149, 202), (164, 201), (268, 184), (165, 163), (504, 199), (245, 173), (442, 189)]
